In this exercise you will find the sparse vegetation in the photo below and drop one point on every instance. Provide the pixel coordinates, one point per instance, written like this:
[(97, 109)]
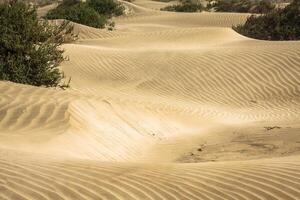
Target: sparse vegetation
[(30, 50), (241, 6), (185, 6), (280, 24), (79, 13), (94, 13), (108, 8), (111, 26), (268, 128)]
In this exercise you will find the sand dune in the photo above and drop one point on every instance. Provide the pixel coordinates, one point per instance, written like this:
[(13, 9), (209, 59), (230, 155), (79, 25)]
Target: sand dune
[(50, 179), (168, 106)]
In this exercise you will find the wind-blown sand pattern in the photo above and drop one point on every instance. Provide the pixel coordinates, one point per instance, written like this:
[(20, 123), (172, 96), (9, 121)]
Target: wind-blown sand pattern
[(168, 106)]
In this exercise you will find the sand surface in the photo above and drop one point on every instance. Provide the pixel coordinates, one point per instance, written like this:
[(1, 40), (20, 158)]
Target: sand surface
[(167, 106)]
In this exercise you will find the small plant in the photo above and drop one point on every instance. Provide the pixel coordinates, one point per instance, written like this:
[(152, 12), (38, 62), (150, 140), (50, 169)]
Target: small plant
[(30, 50), (79, 13), (111, 26), (107, 8), (280, 24), (185, 6), (241, 6), (94, 13)]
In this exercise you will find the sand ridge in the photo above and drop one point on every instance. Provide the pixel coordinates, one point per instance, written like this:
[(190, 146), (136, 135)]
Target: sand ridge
[(167, 106)]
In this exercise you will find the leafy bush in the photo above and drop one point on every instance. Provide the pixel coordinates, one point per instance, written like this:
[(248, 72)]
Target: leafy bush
[(29, 48), (66, 3), (108, 8), (241, 6), (78, 12), (185, 6), (281, 24), (263, 6), (94, 13)]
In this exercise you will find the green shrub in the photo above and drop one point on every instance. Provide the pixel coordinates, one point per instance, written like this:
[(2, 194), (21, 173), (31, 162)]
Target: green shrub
[(67, 3), (94, 13), (263, 6), (29, 48), (185, 6), (241, 6), (108, 8), (281, 24), (79, 13)]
